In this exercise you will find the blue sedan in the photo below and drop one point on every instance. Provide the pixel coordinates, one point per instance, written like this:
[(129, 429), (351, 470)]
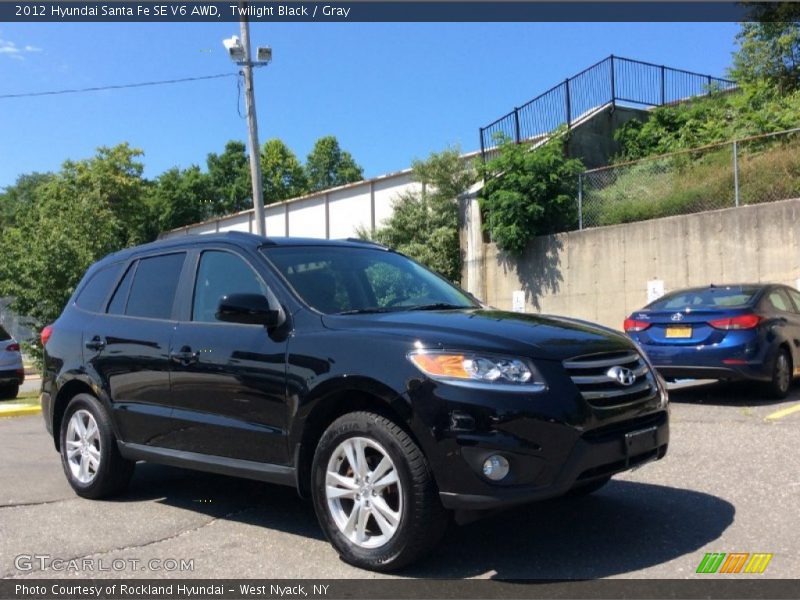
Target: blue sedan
[(732, 332)]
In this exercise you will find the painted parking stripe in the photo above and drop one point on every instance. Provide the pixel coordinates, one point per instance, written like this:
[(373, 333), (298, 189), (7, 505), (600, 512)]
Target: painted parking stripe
[(783, 413)]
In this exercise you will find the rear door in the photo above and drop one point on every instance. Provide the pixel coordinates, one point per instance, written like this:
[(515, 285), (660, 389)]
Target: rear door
[(228, 379), (128, 347), (784, 304)]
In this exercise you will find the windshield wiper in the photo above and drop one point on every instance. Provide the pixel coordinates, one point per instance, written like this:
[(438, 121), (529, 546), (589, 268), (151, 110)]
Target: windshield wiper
[(367, 311), (439, 306)]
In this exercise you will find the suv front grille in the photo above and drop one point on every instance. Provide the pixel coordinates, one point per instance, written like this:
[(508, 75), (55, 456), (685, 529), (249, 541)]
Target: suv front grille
[(590, 374)]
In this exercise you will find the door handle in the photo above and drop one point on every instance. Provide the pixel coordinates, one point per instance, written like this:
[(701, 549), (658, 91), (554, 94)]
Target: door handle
[(184, 356), (96, 343)]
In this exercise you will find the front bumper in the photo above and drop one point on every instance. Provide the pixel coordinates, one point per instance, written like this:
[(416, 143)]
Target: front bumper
[(596, 454), (553, 441)]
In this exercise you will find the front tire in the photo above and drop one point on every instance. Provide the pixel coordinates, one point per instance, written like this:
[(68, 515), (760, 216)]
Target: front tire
[(89, 454), (781, 382), (374, 493)]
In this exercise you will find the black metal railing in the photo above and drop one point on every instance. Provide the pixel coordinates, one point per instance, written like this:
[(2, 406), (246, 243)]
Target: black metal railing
[(612, 80)]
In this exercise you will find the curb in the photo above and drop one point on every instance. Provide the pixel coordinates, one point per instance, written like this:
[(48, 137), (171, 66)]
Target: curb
[(19, 410)]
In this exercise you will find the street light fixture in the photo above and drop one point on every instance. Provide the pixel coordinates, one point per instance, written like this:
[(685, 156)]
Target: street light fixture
[(239, 52)]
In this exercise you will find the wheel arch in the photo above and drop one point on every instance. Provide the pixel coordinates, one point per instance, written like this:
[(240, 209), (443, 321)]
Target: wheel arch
[(67, 390), (330, 404)]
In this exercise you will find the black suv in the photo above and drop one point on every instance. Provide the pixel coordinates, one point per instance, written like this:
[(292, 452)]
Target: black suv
[(386, 394)]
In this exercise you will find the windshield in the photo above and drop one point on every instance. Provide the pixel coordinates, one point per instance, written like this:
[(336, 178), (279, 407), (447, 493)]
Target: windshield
[(351, 280), (716, 297)]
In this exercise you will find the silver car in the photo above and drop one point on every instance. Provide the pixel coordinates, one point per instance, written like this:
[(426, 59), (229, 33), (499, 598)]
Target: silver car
[(12, 372)]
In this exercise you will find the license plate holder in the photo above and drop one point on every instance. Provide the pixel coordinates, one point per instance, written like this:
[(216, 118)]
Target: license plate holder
[(679, 332), (641, 441)]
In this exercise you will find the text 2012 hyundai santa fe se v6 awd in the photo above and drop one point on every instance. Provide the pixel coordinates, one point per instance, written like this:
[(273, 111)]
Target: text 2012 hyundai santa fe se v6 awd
[(377, 388)]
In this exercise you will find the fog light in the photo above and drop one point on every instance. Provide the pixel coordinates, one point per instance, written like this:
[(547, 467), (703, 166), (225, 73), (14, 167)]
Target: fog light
[(495, 467)]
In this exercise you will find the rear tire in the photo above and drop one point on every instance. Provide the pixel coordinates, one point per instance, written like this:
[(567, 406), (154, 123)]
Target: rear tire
[(390, 525), (781, 382), (9, 392), (89, 454)]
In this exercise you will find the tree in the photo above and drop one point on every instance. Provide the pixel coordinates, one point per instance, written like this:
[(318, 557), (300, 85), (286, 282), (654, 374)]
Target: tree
[(281, 172), (329, 166), (769, 48), (111, 179), (88, 209), (529, 192), (19, 197), (424, 224), (180, 197), (229, 179)]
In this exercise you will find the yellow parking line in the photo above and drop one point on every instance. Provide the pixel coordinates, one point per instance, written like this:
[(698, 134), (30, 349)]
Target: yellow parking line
[(783, 412)]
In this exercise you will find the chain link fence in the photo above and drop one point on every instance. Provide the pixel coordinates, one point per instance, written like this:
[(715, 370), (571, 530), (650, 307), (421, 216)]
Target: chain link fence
[(753, 170)]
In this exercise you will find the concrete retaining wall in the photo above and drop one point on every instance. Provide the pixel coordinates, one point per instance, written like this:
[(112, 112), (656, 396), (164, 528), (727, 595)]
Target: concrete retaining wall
[(601, 274)]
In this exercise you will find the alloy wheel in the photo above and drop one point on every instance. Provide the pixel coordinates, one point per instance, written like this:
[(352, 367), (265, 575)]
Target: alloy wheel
[(364, 492), (83, 446)]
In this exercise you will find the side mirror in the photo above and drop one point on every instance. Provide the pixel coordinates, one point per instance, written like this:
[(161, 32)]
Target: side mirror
[(249, 309)]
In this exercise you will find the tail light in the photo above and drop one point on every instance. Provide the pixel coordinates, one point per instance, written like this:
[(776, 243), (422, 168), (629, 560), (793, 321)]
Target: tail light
[(47, 331), (12, 348), (634, 325), (738, 322)]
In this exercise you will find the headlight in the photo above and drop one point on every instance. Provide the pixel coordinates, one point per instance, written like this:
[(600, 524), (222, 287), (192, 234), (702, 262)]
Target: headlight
[(479, 370)]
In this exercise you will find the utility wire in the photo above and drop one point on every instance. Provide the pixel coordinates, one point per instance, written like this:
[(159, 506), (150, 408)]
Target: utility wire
[(117, 87)]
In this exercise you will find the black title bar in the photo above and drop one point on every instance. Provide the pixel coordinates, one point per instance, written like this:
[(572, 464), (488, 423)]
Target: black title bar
[(381, 11)]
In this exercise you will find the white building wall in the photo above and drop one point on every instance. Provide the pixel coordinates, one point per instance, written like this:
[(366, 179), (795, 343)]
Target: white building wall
[(362, 204)]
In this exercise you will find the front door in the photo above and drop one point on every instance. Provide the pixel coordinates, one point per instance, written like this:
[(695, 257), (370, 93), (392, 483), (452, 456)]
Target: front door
[(228, 380)]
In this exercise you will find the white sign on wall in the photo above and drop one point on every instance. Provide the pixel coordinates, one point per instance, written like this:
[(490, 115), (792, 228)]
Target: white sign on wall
[(518, 301), (655, 289)]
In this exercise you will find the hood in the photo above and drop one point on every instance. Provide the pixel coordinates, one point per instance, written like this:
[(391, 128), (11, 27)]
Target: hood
[(535, 336)]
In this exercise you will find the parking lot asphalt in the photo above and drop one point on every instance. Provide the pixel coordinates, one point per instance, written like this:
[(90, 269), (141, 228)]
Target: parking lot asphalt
[(730, 483)]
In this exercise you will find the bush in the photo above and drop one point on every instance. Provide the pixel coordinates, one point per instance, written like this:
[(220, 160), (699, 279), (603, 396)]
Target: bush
[(529, 192), (424, 225)]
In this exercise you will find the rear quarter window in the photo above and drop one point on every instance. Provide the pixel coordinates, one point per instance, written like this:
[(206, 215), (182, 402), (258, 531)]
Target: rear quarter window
[(4, 335), (93, 295)]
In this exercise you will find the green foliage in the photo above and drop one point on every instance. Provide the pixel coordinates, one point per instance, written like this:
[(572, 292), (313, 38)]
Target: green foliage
[(756, 109), (768, 170), (329, 166), (424, 224), (529, 192), (230, 183), (179, 197), (281, 172), (78, 215), (769, 48)]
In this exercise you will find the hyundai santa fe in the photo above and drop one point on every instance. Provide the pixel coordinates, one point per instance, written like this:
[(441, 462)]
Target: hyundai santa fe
[(388, 396)]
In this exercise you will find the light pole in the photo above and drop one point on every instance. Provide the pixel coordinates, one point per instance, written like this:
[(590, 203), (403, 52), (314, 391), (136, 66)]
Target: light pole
[(239, 52)]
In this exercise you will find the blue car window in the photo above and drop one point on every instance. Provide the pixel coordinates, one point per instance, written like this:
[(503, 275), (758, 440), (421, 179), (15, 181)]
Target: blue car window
[(713, 297)]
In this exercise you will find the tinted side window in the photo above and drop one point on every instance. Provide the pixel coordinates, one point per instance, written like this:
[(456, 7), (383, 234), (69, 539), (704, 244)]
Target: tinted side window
[(221, 274), (778, 301), (120, 299), (4, 335), (96, 290), (795, 295), (154, 285)]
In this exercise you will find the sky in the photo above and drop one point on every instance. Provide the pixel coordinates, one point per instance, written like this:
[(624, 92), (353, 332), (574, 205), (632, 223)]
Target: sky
[(390, 92)]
